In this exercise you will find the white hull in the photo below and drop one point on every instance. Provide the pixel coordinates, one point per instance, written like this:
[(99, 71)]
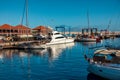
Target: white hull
[(61, 41), (107, 72)]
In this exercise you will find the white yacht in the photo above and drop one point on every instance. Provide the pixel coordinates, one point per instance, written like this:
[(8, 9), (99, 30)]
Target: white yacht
[(57, 38)]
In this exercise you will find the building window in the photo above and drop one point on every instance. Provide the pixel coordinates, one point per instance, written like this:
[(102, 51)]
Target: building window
[(11, 30), (3, 30), (16, 31), (8, 31)]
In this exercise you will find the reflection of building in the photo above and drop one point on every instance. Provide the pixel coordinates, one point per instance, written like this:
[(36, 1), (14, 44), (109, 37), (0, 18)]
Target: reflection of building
[(39, 52), (1, 56), (56, 50), (22, 54), (6, 54)]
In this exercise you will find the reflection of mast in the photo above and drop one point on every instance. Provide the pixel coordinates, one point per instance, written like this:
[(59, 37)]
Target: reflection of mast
[(21, 54), (29, 68), (11, 57), (27, 56), (1, 58)]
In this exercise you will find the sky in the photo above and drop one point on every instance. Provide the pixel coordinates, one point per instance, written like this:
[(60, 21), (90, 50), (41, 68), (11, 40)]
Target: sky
[(62, 12)]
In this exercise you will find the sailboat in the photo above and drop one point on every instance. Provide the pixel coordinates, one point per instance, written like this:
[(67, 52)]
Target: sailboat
[(32, 44), (105, 63), (88, 36)]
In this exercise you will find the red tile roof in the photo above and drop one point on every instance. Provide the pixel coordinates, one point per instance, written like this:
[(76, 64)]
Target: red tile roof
[(6, 26), (21, 27), (40, 28)]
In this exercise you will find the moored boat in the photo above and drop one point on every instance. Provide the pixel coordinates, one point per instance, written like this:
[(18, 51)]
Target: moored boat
[(105, 63), (56, 38), (109, 72), (87, 40)]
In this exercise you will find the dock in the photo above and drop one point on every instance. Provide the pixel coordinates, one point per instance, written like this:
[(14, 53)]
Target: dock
[(17, 44)]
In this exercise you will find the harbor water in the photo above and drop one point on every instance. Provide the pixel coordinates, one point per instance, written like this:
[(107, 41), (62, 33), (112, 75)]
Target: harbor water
[(57, 62)]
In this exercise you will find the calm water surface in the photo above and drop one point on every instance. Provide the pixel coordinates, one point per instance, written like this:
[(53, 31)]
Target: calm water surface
[(62, 62)]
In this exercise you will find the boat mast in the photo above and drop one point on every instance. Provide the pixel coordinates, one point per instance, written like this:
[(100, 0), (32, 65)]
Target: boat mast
[(88, 19), (88, 22), (27, 17), (27, 13), (109, 25)]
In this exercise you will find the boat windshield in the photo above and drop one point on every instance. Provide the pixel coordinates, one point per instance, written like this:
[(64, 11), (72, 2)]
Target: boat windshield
[(56, 33), (59, 37)]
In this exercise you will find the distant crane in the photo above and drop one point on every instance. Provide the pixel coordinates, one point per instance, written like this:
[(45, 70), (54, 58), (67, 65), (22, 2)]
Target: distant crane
[(63, 27)]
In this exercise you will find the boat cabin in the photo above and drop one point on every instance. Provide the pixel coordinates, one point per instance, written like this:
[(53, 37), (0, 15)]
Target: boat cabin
[(107, 56)]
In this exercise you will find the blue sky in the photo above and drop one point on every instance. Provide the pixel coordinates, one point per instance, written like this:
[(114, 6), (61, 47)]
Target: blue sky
[(62, 12)]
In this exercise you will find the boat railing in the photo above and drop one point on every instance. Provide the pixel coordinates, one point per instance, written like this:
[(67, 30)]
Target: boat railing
[(109, 65)]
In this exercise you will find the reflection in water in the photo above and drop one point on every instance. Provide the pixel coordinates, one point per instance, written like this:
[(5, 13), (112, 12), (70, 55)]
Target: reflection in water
[(8, 57), (67, 60), (56, 50), (23, 58), (1, 58), (5, 54), (88, 43), (53, 52)]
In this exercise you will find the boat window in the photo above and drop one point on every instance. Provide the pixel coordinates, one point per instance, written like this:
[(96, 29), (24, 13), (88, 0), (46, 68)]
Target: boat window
[(56, 33), (59, 37)]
